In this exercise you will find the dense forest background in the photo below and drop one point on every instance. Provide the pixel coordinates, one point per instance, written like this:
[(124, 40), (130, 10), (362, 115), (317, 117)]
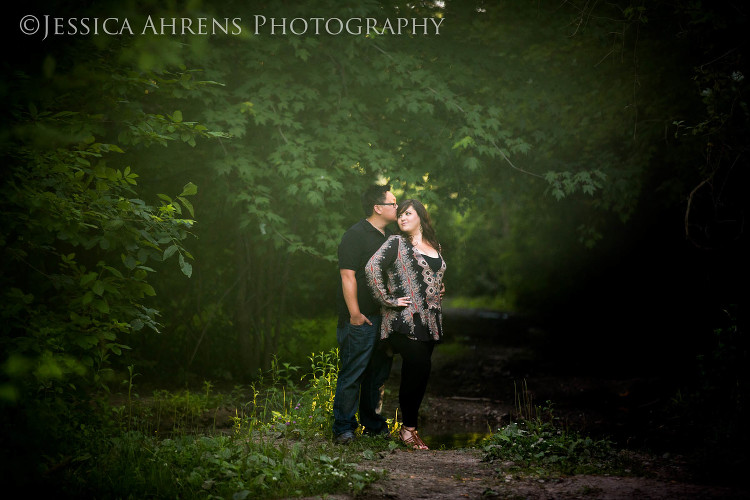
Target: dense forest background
[(174, 202)]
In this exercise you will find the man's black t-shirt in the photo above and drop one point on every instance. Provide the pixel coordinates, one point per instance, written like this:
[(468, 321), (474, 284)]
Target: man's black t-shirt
[(357, 246)]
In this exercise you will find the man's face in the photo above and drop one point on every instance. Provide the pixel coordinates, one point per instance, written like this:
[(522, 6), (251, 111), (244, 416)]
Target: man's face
[(389, 207)]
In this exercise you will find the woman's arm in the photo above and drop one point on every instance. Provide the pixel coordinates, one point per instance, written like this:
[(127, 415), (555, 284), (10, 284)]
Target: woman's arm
[(376, 271)]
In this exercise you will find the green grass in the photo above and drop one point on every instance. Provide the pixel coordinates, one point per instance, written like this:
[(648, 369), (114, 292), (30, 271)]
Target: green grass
[(242, 465), (278, 444), (272, 439)]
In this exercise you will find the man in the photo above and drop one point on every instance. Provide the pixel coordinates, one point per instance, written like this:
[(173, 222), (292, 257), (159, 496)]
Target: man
[(364, 367)]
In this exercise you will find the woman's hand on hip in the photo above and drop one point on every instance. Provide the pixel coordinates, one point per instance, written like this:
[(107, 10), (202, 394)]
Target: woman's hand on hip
[(403, 301)]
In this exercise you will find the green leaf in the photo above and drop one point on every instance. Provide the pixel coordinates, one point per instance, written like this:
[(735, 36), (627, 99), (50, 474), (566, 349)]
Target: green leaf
[(472, 163), (129, 261), (114, 224), (101, 306), (114, 271), (87, 278), (187, 205), (189, 189), (169, 251), (86, 342), (177, 116), (464, 143), (185, 267)]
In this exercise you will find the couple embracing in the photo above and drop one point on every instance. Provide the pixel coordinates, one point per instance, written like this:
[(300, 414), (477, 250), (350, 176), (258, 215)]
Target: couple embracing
[(389, 302)]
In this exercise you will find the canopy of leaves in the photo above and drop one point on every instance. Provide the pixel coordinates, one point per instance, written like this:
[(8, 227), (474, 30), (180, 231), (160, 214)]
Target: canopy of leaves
[(546, 140)]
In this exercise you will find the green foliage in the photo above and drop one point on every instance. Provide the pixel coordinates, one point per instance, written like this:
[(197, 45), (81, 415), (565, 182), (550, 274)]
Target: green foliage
[(276, 446), (221, 467), (537, 444), (546, 125), (536, 149), (294, 406), (307, 335), (78, 233), (532, 131), (563, 184), (541, 447), (80, 244), (313, 120), (286, 399)]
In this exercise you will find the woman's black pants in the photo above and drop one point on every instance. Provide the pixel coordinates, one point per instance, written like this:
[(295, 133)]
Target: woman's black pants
[(415, 372)]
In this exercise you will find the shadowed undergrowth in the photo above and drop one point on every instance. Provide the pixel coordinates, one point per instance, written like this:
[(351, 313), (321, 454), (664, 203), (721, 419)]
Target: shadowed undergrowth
[(277, 443)]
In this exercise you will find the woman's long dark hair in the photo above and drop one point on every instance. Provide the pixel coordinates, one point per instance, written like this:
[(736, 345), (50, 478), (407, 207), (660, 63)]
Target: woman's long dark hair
[(428, 232)]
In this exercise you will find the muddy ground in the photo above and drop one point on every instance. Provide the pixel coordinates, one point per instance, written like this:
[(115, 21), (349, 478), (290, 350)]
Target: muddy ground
[(477, 385)]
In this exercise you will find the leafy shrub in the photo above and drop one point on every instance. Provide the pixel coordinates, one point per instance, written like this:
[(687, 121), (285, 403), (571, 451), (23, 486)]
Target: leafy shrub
[(277, 447), (537, 443), (544, 448)]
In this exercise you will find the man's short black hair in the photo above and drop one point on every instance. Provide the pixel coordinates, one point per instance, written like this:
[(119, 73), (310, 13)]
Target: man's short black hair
[(372, 196)]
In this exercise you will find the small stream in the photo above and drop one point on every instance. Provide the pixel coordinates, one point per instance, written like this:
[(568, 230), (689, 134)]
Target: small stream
[(451, 441)]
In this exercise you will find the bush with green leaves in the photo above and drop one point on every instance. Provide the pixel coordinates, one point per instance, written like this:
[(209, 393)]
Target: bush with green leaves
[(188, 466), (277, 447), (79, 243), (540, 445)]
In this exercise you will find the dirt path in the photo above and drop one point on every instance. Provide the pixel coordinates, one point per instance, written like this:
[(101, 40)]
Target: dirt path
[(445, 474), (457, 474), (474, 391)]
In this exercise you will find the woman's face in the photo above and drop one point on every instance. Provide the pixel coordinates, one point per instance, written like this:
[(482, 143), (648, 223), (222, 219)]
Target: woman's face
[(409, 221)]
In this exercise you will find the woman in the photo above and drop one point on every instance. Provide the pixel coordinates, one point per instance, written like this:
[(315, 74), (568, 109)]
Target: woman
[(406, 276)]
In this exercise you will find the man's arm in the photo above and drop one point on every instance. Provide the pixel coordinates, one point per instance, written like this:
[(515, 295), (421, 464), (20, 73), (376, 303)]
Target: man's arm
[(349, 286)]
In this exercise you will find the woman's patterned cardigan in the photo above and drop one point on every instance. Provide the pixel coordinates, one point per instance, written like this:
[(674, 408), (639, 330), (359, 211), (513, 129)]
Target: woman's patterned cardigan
[(396, 270)]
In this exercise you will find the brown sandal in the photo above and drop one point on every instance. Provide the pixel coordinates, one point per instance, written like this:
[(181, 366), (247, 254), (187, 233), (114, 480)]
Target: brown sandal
[(411, 438)]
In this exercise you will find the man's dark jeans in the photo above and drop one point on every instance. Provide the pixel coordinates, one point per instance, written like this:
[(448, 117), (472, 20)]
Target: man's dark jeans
[(363, 370)]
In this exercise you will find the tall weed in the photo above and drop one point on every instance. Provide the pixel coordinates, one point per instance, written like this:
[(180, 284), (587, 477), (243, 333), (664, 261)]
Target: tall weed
[(276, 447)]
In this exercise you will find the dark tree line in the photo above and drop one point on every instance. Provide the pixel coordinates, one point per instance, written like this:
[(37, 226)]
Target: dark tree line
[(584, 164)]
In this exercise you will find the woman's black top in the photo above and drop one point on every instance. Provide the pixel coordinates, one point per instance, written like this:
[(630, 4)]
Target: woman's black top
[(421, 332), (434, 262)]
